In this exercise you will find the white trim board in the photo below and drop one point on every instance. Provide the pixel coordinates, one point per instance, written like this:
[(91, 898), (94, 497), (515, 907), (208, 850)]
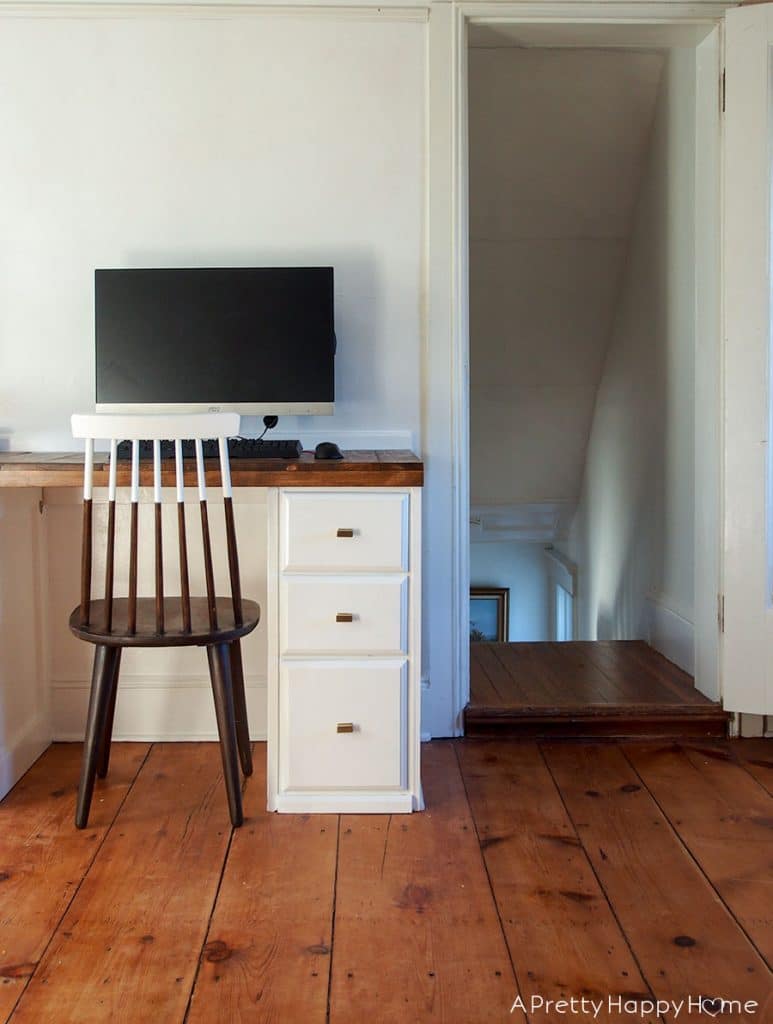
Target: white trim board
[(154, 710), (147, 681), (383, 10), (25, 750), (561, 570), (672, 635), (543, 521)]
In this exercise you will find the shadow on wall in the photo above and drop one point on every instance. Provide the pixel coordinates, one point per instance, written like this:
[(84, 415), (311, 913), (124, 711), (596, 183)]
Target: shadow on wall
[(633, 531), (626, 616)]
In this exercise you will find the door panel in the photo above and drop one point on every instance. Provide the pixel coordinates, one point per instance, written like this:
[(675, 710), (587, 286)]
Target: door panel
[(748, 606)]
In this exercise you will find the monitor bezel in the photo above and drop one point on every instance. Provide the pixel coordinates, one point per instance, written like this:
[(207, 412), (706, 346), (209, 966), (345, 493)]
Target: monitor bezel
[(324, 408), (243, 408)]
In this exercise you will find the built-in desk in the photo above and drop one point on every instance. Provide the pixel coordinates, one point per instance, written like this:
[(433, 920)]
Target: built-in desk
[(356, 469), (341, 618)]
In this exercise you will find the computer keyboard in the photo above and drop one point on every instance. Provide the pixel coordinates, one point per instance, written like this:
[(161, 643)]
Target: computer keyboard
[(238, 448)]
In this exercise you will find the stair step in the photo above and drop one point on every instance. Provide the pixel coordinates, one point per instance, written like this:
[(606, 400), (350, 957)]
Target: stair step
[(631, 721)]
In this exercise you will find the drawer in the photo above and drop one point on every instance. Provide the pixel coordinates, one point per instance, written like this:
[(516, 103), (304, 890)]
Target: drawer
[(344, 532), (342, 725), (343, 616)]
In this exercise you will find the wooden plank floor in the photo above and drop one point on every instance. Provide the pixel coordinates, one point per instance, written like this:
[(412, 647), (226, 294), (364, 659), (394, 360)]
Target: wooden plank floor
[(617, 873), (616, 688)]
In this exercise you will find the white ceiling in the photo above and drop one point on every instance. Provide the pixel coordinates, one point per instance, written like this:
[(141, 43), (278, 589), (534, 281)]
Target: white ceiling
[(558, 140)]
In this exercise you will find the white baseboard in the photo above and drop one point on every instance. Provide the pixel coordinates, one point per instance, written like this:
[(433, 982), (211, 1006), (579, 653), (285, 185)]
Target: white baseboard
[(154, 710), (671, 634), (26, 749)]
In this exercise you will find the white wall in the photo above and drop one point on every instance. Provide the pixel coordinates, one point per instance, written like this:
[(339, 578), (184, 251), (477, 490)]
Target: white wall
[(521, 567), (632, 536), (179, 139)]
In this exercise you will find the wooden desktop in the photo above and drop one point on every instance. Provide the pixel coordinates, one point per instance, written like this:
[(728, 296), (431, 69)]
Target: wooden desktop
[(356, 469)]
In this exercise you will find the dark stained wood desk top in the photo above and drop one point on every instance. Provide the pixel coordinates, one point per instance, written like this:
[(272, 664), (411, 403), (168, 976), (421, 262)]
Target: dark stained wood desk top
[(356, 469)]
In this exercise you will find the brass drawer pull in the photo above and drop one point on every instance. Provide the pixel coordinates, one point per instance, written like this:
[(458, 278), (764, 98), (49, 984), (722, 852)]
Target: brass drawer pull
[(344, 617), (345, 727), (344, 531)]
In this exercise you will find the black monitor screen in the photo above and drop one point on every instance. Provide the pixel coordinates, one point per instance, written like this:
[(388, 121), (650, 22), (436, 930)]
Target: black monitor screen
[(216, 337)]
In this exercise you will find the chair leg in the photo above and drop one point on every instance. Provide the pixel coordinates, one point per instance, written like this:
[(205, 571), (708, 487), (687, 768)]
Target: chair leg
[(99, 705), (103, 761), (240, 707), (222, 691)]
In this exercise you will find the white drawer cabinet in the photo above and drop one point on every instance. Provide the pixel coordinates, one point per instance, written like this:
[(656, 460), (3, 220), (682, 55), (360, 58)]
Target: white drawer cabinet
[(344, 615), (348, 722), (343, 622), (343, 531)]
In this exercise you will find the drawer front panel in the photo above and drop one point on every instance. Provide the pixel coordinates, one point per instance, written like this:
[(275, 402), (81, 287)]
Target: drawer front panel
[(343, 616), (343, 725), (344, 532)]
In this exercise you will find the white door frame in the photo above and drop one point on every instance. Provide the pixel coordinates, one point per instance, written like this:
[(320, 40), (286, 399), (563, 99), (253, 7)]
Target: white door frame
[(447, 356), (748, 492)]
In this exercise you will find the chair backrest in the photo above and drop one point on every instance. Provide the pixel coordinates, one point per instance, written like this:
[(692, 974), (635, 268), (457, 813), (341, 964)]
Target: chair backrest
[(176, 428)]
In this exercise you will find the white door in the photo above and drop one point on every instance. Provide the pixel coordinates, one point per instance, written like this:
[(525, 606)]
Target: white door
[(748, 570)]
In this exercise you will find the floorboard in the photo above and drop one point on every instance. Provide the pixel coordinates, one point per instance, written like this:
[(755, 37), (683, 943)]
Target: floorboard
[(417, 936), (641, 674), (128, 947), (561, 932), (686, 941), (756, 756), (492, 681), (723, 816), (43, 858), (267, 954), (538, 871)]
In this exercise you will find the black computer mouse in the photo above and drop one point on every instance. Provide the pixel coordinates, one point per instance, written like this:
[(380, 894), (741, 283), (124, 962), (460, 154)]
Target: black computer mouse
[(327, 450)]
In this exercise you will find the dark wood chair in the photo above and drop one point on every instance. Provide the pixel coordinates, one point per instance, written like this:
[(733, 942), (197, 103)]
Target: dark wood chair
[(112, 623)]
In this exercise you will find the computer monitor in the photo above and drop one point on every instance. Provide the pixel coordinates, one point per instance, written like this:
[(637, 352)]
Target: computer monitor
[(254, 340)]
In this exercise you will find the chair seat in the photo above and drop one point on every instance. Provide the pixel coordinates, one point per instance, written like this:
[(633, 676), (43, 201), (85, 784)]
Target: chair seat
[(146, 635)]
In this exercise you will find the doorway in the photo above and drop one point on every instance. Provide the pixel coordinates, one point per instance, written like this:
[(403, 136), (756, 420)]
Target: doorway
[(593, 388)]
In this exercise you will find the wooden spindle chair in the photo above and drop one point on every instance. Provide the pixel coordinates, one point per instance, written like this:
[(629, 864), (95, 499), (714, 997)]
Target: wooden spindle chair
[(112, 623)]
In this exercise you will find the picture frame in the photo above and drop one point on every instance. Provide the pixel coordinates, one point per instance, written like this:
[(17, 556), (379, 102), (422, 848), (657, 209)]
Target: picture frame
[(489, 614)]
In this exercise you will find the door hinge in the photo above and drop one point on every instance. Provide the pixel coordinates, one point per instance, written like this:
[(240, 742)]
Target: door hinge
[(723, 89), (721, 612)]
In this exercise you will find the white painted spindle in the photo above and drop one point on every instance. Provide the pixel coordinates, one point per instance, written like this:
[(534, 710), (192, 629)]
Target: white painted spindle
[(88, 470), (111, 480), (225, 466), (200, 469), (179, 471), (135, 487), (157, 472)]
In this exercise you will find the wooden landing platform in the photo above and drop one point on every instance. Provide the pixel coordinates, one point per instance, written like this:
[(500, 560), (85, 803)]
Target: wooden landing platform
[(552, 871), (614, 689)]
